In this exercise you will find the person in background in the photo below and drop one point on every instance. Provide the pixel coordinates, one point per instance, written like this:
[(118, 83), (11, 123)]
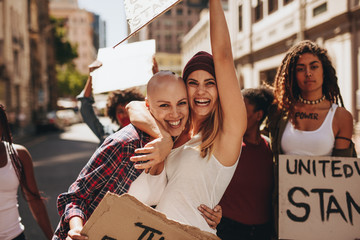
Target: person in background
[(308, 116), (246, 204), (115, 107), (16, 168)]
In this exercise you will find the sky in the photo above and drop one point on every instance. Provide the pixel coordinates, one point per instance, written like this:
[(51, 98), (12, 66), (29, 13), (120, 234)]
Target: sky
[(111, 11)]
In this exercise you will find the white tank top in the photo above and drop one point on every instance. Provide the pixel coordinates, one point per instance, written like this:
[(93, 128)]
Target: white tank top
[(10, 225), (193, 180), (319, 142)]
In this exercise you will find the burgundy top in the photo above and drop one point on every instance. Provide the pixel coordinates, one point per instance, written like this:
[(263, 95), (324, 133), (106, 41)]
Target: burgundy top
[(248, 197)]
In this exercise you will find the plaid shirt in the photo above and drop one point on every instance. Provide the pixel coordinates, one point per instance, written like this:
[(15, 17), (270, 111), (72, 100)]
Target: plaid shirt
[(109, 169)]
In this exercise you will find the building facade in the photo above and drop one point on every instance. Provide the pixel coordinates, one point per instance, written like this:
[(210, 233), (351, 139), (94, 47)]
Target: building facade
[(79, 30), (168, 31), (27, 63), (263, 30)]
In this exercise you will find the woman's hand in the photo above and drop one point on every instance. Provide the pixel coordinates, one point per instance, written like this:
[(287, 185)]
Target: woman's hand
[(75, 234), (94, 65), (153, 153), (76, 226), (211, 216)]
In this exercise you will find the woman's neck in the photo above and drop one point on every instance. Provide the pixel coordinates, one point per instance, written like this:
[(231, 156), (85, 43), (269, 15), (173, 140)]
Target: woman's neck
[(196, 124), (311, 95)]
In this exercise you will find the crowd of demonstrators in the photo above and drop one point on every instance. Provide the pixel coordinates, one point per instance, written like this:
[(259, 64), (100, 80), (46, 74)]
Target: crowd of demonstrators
[(308, 116), (16, 168), (247, 202), (194, 148), (206, 153), (115, 107)]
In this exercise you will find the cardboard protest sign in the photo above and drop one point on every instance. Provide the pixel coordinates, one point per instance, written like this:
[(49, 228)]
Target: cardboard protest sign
[(319, 197), (139, 13), (124, 217), (126, 66)]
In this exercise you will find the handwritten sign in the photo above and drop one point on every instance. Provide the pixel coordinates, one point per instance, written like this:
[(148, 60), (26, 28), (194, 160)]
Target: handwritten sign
[(129, 65), (139, 13), (124, 217), (319, 197)]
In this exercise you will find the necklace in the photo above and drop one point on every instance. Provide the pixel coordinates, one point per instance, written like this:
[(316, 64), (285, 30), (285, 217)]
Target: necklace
[(311, 102)]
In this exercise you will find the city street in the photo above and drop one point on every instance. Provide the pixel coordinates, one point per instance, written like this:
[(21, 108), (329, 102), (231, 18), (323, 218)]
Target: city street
[(58, 158)]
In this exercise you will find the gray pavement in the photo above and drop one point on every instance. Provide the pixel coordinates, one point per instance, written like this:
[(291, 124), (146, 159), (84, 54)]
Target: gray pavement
[(57, 158)]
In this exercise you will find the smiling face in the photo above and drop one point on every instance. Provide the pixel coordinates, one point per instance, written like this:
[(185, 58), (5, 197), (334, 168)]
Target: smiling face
[(167, 101), (202, 92), (309, 75)]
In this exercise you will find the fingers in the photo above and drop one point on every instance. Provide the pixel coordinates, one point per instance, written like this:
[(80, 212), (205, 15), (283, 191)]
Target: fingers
[(212, 216), (141, 158), (145, 150), (145, 165), (75, 235)]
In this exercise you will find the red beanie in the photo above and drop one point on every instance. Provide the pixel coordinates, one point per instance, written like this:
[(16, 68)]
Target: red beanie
[(200, 61)]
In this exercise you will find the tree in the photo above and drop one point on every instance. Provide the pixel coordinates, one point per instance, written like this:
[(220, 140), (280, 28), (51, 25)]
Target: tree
[(70, 81)]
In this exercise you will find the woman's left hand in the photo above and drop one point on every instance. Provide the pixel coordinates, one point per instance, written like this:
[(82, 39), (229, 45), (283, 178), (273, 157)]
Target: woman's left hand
[(153, 152), (211, 216)]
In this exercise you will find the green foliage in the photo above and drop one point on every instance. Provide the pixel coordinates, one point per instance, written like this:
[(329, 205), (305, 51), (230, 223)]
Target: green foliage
[(70, 81), (64, 51)]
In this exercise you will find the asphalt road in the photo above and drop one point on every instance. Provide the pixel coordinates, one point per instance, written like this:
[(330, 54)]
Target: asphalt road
[(58, 158)]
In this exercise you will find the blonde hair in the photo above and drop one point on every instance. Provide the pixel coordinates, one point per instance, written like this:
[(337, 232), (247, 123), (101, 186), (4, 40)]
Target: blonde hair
[(209, 129)]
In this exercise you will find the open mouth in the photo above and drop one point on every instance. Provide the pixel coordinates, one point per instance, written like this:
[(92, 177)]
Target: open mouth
[(175, 123), (202, 102)]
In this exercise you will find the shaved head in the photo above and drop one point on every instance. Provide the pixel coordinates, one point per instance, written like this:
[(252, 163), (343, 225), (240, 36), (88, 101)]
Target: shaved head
[(160, 80), (167, 101)]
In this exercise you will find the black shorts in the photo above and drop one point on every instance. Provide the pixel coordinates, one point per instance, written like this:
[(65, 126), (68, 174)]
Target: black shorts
[(20, 237), (229, 229)]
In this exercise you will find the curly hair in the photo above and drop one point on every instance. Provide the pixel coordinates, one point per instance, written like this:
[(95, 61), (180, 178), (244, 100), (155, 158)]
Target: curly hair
[(121, 97), (286, 89)]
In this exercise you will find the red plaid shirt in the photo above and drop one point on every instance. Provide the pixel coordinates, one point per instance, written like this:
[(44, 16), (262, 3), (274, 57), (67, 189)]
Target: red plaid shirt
[(109, 169)]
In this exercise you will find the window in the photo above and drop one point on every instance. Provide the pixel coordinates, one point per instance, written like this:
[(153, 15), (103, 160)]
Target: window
[(320, 9), (258, 11), (272, 6), (268, 76), (168, 23), (179, 11), (168, 12), (180, 24), (168, 37), (287, 2), (240, 18)]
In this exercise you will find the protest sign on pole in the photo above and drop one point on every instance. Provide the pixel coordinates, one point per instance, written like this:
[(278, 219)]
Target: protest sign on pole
[(139, 13), (128, 65), (319, 197), (124, 217)]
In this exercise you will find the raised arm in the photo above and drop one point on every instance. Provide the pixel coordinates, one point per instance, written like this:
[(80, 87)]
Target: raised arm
[(141, 118), (228, 143), (86, 107)]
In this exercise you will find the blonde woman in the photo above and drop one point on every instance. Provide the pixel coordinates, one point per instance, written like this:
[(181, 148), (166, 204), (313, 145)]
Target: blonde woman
[(204, 157)]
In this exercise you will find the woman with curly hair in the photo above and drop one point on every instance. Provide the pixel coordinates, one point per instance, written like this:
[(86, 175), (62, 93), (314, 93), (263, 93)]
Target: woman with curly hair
[(115, 107), (16, 169), (308, 116)]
